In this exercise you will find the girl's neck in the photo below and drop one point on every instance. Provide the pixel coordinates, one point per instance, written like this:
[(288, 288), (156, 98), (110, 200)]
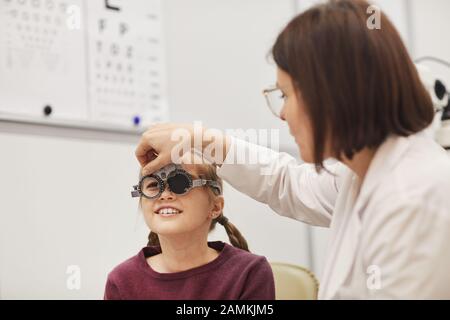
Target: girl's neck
[(181, 254)]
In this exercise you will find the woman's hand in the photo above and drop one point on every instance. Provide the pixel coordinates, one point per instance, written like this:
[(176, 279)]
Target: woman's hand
[(161, 143)]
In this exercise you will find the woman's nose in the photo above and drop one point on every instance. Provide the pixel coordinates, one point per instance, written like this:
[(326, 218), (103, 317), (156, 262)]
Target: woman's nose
[(283, 114)]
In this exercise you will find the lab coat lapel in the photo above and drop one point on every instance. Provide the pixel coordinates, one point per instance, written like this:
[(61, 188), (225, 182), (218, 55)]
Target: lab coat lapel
[(344, 247), (343, 244)]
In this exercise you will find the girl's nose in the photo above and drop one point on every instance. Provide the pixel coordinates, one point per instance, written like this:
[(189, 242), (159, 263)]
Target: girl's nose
[(167, 194)]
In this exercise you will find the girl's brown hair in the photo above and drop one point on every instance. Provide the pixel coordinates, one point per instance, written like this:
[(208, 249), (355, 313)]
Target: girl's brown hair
[(359, 85), (235, 237)]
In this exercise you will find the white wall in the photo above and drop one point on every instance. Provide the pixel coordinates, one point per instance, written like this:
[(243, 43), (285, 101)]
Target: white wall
[(431, 29), (65, 193), (64, 202), (217, 61)]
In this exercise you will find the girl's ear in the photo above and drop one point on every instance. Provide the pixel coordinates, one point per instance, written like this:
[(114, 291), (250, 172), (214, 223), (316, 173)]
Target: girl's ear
[(217, 207)]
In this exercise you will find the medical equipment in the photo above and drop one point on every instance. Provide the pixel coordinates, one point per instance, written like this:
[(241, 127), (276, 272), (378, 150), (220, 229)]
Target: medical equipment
[(443, 134), (440, 97), (179, 181)]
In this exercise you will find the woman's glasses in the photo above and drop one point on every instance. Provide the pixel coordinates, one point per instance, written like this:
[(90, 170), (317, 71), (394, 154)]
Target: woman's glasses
[(275, 100)]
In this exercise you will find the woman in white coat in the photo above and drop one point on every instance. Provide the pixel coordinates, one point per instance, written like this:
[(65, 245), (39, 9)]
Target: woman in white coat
[(352, 94)]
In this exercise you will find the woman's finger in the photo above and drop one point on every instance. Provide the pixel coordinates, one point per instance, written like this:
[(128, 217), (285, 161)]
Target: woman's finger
[(145, 147), (155, 165)]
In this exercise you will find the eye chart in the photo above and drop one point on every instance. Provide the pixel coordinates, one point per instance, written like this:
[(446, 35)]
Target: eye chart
[(93, 62)]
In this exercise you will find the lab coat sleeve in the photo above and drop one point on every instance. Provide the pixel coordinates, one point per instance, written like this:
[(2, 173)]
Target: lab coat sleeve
[(291, 189), (406, 249)]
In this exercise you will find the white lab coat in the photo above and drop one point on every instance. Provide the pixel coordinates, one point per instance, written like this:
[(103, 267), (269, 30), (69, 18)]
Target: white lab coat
[(390, 237)]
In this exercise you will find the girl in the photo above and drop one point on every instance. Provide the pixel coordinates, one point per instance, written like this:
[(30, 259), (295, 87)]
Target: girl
[(181, 204)]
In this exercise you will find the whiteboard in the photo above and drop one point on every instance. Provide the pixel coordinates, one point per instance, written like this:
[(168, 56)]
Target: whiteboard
[(93, 63)]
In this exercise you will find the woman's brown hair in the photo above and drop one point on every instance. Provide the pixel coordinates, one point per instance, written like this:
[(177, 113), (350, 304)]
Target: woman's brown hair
[(235, 237), (359, 85)]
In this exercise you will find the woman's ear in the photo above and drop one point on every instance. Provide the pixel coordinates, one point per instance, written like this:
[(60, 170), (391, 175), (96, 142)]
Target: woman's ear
[(218, 204)]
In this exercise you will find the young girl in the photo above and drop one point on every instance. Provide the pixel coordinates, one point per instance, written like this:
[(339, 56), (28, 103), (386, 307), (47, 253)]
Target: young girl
[(181, 204)]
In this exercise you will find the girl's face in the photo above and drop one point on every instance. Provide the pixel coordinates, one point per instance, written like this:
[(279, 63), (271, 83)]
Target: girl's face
[(196, 210), (294, 113)]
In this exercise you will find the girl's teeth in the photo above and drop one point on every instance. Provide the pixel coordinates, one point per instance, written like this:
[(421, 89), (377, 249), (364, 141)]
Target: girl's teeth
[(168, 211)]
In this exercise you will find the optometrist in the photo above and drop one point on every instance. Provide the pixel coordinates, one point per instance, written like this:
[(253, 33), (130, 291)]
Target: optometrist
[(351, 94)]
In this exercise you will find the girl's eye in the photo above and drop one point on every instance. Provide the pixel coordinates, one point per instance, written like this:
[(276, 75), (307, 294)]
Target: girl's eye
[(152, 186), (283, 96)]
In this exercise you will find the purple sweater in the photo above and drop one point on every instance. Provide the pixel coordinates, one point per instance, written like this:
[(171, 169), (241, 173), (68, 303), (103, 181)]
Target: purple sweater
[(234, 274)]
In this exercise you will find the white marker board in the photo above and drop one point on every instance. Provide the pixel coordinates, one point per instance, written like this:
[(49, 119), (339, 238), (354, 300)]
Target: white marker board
[(94, 63)]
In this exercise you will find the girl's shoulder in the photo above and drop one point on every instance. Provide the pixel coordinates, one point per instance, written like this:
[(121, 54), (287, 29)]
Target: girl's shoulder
[(127, 267), (243, 257)]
